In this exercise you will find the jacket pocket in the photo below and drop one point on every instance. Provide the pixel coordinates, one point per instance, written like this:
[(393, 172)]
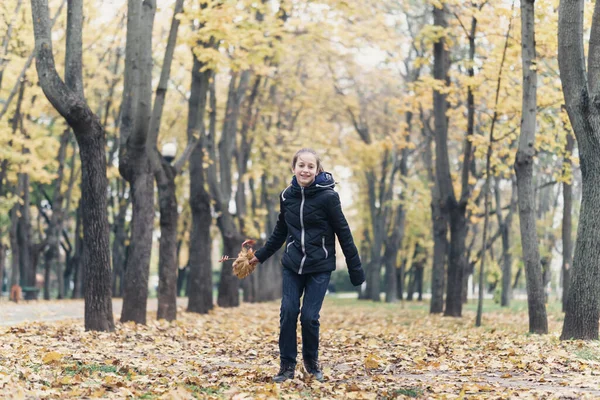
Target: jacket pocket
[(287, 248), (324, 248)]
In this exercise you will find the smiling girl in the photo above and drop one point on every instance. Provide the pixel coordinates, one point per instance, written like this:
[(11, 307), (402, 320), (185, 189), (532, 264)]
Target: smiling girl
[(309, 219)]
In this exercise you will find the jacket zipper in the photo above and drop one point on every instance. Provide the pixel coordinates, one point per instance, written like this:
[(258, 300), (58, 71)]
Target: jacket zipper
[(324, 249), (287, 249), (302, 234)]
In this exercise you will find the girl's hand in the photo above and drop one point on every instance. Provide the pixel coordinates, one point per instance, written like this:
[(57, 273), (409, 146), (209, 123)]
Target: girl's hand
[(254, 260)]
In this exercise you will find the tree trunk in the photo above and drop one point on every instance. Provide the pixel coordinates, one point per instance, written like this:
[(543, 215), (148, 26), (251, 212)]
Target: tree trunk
[(167, 284), (378, 224), (69, 102), (270, 273), (2, 265), (394, 242), (400, 279), (200, 283), (456, 260), (567, 242), (47, 269), (134, 163), (454, 212), (27, 270), (581, 97), (221, 188), (410, 290), (440, 238), (228, 286), (505, 225), (15, 262), (486, 190), (55, 225), (98, 303), (15, 214), (486, 219), (78, 260), (165, 179), (135, 285), (365, 246), (538, 322), (119, 248), (419, 281)]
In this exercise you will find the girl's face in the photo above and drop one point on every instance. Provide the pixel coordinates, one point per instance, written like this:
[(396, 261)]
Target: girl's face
[(305, 169)]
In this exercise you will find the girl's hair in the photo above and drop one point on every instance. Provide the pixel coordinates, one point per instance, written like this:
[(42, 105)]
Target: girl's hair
[(311, 151)]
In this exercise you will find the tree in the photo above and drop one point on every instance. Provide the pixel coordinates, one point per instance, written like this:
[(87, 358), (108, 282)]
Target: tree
[(200, 277), (67, 98), (581, 93), (165, 174), (538, 322), (134, 162), (454, 210), (567, 221)]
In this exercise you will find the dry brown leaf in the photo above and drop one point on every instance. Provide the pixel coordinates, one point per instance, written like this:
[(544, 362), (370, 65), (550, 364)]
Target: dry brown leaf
[(51, 357)]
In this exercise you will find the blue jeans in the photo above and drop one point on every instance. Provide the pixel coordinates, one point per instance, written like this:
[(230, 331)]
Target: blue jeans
[(314, 287)]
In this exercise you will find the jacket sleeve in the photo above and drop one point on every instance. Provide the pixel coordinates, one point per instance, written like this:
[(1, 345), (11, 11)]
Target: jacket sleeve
[(277, 238), (342, 231)]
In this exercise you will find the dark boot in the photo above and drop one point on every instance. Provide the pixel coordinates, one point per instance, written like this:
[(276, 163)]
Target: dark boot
[(313, 368), (286, 371)]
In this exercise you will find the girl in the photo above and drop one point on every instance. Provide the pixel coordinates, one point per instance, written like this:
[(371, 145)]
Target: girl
[(310, 214)]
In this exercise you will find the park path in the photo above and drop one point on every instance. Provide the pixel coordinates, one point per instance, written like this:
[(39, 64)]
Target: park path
[(56, 310)]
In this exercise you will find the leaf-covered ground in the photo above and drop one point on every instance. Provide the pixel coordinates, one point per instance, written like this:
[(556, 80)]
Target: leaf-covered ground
[(368, 351)]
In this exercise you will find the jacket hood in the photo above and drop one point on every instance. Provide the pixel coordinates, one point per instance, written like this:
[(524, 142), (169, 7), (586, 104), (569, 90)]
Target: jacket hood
[(323, 181)]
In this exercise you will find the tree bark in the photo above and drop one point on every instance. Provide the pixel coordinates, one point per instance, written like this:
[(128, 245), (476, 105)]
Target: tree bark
[(119, 248), (567, 224), (199, 288), (134, 163), (486, 214), (269, 273), (167, 270), (27, 268), (221, 188), (394, 242), (165, 174), (505, 225), (419, 282), (90, 136), (15, 263), (55, 225), (538, 322), (2, 265), (79, 258), (400, 277), (454, 211), (378, 226), (440, 238), (581, 97)]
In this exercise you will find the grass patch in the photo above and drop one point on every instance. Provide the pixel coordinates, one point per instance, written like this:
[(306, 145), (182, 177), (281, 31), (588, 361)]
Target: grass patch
[(409, 392), (213, 390), (588, 355), (554, 306), (88, 369), (148, 396)]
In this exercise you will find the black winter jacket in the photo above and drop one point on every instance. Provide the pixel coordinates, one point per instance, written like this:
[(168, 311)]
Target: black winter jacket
[(309, 219)]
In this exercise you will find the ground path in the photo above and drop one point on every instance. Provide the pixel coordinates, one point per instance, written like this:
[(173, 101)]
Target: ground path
[(368, 350), (57, 310)]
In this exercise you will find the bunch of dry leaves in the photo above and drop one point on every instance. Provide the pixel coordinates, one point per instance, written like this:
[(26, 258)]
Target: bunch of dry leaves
[(369, 351)]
